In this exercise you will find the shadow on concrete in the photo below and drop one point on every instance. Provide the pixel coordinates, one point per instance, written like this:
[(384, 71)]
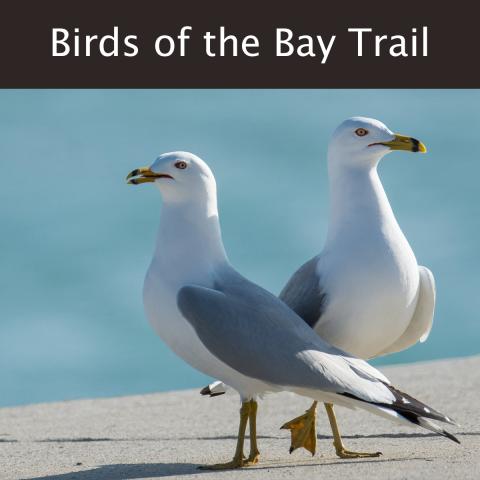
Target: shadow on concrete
[(127, 472), (398, 435), (145, 439), (233, 437), (158, 470)]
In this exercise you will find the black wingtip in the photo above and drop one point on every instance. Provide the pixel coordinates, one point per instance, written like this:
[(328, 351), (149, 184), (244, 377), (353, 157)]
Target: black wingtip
[(450, 421), (451, 437), (408, 406), (206, 391)]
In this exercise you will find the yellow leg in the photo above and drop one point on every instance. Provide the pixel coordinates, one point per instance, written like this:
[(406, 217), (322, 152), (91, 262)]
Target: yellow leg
[(252, 418), (337, 439), (302, 430), (238, 459)]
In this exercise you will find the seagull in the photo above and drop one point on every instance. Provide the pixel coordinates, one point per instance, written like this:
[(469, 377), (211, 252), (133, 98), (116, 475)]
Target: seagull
[(364, 293), (228, 327)]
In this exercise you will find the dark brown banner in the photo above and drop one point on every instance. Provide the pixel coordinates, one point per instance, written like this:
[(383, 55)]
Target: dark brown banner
[(247, 44)]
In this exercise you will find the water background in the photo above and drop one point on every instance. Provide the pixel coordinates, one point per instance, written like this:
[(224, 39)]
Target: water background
[(75, 240)]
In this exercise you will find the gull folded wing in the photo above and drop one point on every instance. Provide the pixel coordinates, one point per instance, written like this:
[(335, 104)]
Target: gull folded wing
[(422, 319), (258, 335)]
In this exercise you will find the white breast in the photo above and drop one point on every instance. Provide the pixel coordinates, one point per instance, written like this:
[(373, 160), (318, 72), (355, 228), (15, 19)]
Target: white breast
[(161, 286), (372, 293)]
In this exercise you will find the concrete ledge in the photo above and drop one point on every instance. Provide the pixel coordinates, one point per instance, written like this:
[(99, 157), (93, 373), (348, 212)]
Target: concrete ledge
[(170, 434)]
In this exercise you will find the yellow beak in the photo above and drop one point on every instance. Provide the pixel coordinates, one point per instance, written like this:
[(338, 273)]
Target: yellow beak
[(401, 142), (144, 175)]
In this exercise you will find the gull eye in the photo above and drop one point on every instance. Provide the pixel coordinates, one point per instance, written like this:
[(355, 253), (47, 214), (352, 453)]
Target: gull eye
[(361, 132), (181, 165)]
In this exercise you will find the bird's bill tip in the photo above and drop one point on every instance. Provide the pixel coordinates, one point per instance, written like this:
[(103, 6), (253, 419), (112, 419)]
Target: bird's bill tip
[(403, 142), (141, 175)]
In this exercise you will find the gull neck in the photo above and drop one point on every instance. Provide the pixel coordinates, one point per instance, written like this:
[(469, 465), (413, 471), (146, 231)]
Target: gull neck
[(191, 230), (358, 203)]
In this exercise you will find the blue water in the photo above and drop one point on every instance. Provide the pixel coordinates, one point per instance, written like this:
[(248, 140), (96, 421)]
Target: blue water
[(75, 240)]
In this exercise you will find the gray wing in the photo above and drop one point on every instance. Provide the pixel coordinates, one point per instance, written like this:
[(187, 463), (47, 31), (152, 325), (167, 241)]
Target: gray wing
[(303, 293), (422, 318), (256, 334)]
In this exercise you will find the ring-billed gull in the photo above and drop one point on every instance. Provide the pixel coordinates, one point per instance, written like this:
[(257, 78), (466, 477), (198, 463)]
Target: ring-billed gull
[(364, 293), (228, 327)]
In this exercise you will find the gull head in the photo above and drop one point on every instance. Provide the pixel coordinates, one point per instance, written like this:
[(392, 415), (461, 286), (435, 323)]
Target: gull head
[(180, 176), (361, 141)]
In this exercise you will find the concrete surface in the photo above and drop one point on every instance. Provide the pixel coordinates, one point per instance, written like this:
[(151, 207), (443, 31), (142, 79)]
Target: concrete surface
[(170, 434)]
